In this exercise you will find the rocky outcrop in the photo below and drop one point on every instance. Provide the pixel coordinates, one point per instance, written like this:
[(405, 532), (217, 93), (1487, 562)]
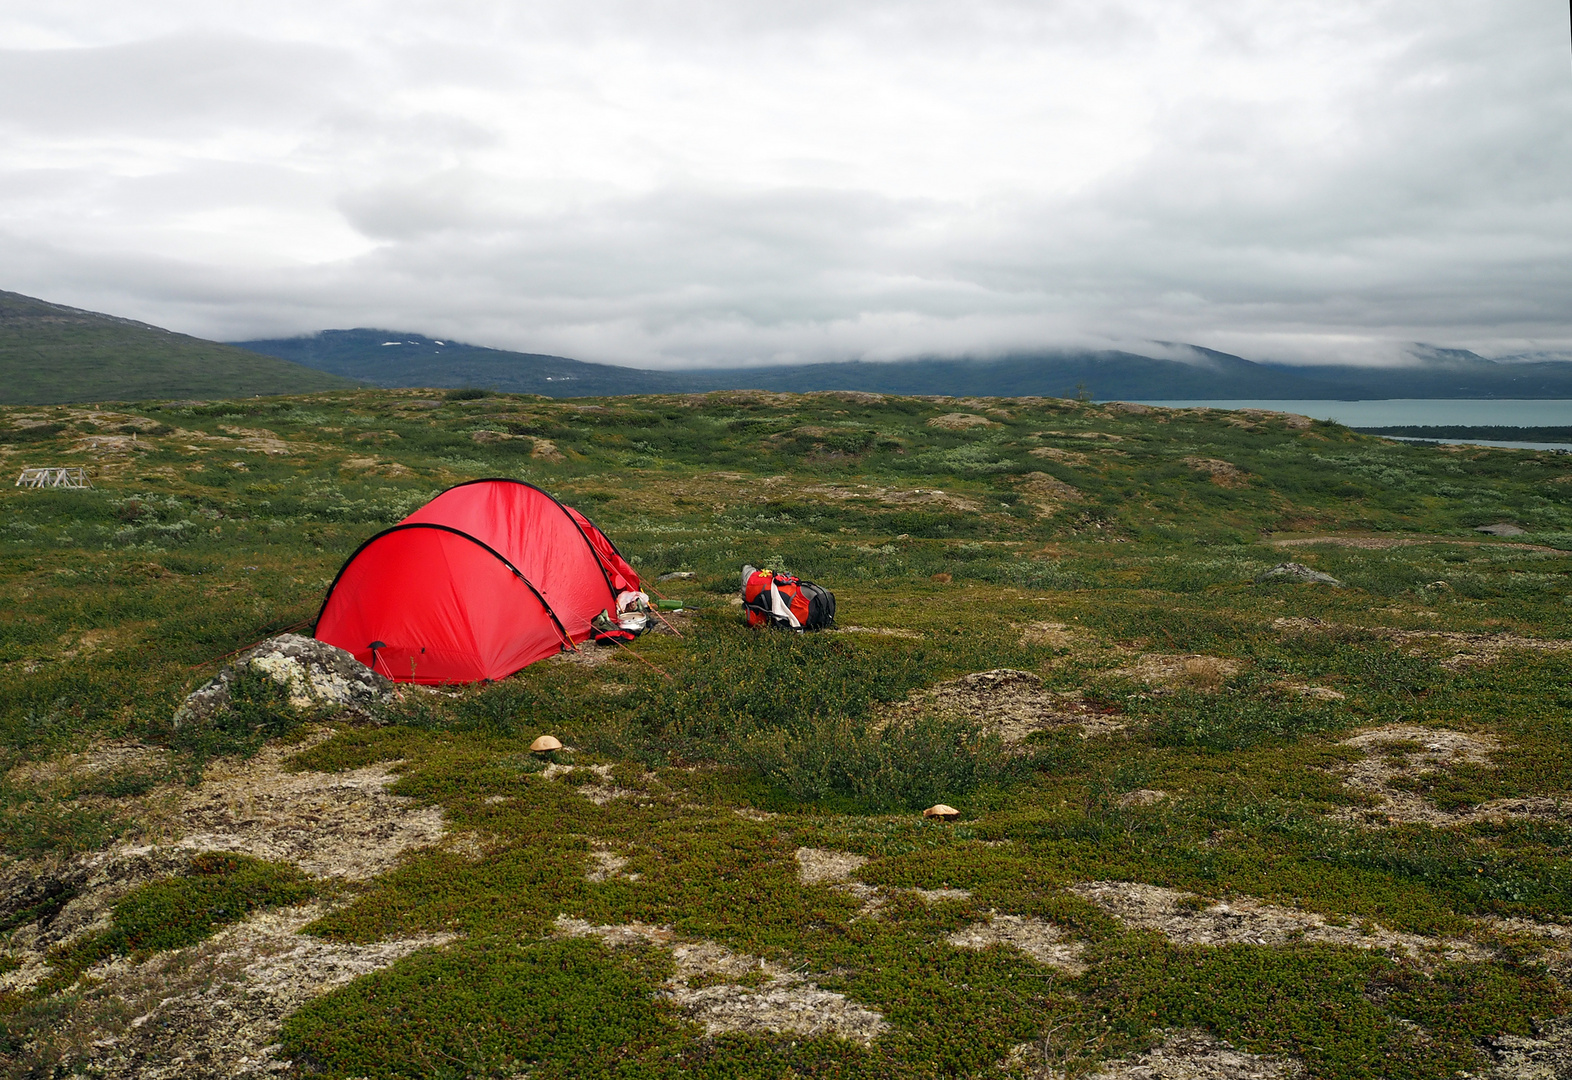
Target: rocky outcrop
[(1292, 571), (319, 677)]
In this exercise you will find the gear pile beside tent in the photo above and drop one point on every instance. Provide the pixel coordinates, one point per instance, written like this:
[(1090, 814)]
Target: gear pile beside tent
[(487, 578)]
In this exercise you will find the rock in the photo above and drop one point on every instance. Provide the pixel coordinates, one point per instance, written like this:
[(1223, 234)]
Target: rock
[(677, 575), (1292, 571), (318, 676), (546, 450), (1501, 528)]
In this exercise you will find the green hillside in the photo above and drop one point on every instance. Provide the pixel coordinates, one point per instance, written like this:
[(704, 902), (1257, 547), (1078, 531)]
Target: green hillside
[(52, 354), (1214, 821)]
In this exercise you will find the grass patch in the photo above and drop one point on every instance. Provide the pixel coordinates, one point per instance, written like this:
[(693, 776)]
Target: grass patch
[(121, 600)]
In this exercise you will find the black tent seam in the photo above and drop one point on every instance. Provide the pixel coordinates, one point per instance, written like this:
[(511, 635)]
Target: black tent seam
[(402, 526), (560, 506)]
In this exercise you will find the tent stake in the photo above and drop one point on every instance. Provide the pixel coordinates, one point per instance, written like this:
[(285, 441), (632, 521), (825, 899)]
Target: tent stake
[(661, 617)]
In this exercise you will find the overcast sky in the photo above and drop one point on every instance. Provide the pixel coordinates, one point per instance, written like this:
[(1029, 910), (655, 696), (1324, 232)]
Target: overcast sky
[(671, 182)]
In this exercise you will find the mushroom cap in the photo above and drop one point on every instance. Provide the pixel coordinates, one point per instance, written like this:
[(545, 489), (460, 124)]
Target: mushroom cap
[(545, 743), (940, 810)]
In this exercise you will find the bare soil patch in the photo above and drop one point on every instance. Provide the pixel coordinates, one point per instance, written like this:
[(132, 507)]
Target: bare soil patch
[(1187, 919), (1222, 473), (606, 865), (817, 866), (213, 1010), (375, 466), (546, 450), (1037, 938), (341, 825), (706, 988), (959, 421), (1188, 670), (1046, 493), (1544, 1055), (1011, 703), (1402, 751), (1306, 690), (1055, 635), (882, 631), (941, 896), (1470, 650), (331, 825), (586, 655), (836, 869), (122, 757), (1196, 1055), (263, 441), (1382, 543), (1455, 650), (599, 791), (897, 496), (1066, 457)]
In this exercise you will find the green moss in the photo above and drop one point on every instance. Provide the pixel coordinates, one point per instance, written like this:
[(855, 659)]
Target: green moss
[(493, 1008), (219, 888)]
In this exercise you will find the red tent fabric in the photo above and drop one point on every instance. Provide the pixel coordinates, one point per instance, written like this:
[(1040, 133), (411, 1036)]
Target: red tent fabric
[(485, 579), (623, 576)]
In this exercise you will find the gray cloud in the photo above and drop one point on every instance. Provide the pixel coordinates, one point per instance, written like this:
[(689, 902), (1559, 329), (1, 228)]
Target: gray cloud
[(706, 182)]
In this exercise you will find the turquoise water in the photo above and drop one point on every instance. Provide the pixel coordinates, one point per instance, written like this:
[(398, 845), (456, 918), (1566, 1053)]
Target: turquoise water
[(1510, 445), (1393, 411), (1483, 412)]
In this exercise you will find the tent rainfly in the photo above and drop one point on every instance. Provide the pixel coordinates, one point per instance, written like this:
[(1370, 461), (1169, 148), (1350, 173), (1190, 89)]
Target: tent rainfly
[(487, 578)]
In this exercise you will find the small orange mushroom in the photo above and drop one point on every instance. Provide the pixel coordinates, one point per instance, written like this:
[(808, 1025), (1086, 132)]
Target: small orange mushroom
[(545, 744), (941, 811)]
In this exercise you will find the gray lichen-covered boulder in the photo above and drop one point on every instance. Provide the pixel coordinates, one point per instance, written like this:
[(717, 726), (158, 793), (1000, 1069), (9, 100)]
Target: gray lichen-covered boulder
[(1292, 571), (319, 677)]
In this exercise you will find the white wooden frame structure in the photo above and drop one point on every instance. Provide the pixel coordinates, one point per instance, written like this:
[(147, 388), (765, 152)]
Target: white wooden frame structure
[(54, 477)]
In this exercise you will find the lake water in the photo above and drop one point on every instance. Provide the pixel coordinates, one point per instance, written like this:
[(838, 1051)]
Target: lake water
[(1540, 412)]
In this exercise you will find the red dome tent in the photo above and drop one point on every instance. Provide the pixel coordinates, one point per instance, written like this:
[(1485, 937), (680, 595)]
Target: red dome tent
[(486, 578)]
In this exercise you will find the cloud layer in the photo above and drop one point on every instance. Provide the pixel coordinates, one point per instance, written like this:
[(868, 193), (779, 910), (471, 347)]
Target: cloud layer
[(703, 182)]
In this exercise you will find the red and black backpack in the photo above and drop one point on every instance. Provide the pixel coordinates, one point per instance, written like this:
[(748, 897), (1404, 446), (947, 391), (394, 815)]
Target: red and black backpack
[(771, 599)]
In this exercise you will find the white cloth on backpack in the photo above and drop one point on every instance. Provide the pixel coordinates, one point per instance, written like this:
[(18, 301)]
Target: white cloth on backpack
[(779, 606)]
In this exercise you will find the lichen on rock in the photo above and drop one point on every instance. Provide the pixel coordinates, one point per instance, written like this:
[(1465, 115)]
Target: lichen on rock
[(317, 676)]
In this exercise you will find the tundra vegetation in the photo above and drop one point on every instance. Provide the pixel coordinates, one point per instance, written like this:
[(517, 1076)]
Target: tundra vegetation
[(1270, 826)]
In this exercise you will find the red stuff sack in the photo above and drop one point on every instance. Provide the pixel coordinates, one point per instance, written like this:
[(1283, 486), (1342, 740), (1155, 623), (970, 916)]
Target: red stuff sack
[(787, 602)]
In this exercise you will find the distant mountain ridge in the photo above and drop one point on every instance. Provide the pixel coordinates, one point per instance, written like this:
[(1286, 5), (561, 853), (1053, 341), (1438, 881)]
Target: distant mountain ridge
[(401, 359), (53, 354)]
